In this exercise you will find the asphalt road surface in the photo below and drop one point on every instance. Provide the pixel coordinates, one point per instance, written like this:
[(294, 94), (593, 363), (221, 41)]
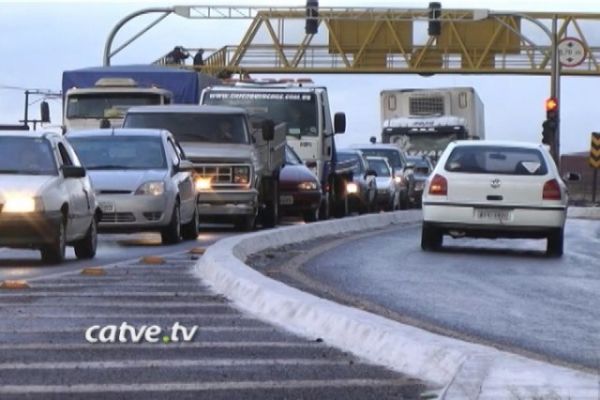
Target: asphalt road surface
[(45, 353), (501, 292)]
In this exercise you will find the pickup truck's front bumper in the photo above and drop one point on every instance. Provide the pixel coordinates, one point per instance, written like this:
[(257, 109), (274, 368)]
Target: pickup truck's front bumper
[(227, 202)]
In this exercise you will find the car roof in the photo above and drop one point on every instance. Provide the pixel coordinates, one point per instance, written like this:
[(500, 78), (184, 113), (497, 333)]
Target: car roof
[(187, 108), (503, 143), (31, 134), (350, 151), (379, 158), (117, 132)]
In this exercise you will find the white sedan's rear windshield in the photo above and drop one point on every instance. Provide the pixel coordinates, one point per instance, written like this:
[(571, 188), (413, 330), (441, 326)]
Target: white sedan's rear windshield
[(496, 160)]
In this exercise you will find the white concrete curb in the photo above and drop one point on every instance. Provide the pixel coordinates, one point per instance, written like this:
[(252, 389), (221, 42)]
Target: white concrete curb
[(584, 212), (466, 370)]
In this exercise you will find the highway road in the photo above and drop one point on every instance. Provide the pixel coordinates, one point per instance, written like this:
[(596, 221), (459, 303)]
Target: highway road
[(504, 292)]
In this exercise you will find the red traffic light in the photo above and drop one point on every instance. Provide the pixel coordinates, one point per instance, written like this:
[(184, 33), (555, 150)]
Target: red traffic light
[(551, 104)]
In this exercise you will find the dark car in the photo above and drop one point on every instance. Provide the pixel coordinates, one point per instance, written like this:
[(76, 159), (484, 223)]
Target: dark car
[(362, 191), (421, 168), (299, 188), (396, 158)]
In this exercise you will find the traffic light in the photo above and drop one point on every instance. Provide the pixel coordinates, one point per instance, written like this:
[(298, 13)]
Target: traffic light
[(435, 26), (312, 17), (551, 123)]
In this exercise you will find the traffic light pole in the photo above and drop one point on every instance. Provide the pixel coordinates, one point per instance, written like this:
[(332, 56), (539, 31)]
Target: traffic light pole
[(555, 90)]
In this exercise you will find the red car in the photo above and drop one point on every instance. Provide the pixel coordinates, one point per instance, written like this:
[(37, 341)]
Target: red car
[(299, 189)]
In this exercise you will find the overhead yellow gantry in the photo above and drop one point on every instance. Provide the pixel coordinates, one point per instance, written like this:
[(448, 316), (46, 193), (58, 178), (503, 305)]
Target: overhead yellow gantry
[(390, 40)]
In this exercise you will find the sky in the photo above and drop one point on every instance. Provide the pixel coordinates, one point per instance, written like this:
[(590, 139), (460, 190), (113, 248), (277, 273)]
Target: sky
[(39, 40)]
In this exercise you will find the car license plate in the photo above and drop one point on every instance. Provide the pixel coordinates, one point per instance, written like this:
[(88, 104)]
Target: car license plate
[(496, 214), (107, 206), (286, 200)]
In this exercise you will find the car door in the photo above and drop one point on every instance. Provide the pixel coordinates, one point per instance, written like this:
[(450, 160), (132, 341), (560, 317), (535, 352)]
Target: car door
[(183, 180), (79, 200)]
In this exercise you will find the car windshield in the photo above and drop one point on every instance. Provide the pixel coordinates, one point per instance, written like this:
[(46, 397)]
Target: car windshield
[(120, 152), (393, 156), (107, 105), (194, 127), (26, 156), (298, 110), (353, 159), (496, 160), (380, 167)]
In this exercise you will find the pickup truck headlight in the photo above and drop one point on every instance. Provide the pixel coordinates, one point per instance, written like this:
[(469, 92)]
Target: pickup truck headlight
[(241, 175), (307, 186), (351, 188), (18, 203), (151, 189), (202, 183)]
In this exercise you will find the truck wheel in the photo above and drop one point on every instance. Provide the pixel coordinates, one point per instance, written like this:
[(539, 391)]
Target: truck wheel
[(54, 253), (171, 234), (271, 213), (311, 215), (324, 209), (555, 244), (190, 230), (246, 223), (431, 238), (403, 201), (86, 247)]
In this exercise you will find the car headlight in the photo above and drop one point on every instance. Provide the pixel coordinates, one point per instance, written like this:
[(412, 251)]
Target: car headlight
[(18, 203), (351, 187), (241, 175), (151, 189), (398, 179), (307, 186)]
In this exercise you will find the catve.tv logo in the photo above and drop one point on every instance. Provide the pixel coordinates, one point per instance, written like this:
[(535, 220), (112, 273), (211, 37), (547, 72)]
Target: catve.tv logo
[(126, 333)]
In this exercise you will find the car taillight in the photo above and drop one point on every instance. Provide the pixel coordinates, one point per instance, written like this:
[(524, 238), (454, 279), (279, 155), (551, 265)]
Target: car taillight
[(438, 186), (551, 190)]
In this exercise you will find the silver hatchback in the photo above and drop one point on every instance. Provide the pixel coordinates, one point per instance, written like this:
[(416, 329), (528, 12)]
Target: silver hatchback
[(142, 181)]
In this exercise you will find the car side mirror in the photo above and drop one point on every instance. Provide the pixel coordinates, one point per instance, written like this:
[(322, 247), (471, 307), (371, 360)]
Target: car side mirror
[(339, 122), (185, 165), (268, 130), (572, 177), (72, 171)]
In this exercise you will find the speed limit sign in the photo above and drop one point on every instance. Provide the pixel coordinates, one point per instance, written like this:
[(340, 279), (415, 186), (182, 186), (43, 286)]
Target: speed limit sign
[(571, 52)]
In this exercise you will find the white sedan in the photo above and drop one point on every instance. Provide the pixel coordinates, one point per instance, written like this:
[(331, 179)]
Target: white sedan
[(495, 189), (46, 199)]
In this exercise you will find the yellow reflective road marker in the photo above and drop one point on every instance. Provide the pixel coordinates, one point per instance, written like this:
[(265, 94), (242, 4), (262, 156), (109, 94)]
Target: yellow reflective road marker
[(20, 284), (153, 260), (93, 271)]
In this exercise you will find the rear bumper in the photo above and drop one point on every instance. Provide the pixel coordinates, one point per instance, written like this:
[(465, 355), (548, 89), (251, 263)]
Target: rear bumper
[(227, 202), (29, 230), (523, 221)]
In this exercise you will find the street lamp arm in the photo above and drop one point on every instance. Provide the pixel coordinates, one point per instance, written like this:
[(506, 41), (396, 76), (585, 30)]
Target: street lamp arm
[(109, 41)]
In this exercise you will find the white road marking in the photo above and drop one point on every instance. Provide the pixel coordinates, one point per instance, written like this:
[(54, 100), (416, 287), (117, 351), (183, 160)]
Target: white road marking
[(128, 346), (199, 386)]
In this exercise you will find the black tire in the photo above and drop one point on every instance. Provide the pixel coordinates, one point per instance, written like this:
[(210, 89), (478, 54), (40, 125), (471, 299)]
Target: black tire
[(555, 243), (86, 247), (246, 223), (324, 211), (311, 215), (431, 238), (55, 253), (270, 216), (403, 201), (190, 230), (171, 234)]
